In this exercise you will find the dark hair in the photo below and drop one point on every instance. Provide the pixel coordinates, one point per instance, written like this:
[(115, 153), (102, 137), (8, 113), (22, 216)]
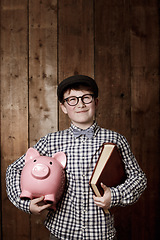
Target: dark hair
[(77, 82), (77, 86)]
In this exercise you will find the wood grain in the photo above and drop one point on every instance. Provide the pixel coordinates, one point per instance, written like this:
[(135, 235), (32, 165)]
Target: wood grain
[(112, 65), (117, 42), (145, 114), (14, 106), (75, 43), (42, 69), (112, 73), (43, 114)]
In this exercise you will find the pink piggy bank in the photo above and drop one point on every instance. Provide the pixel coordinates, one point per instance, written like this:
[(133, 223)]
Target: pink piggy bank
[(43, 176)]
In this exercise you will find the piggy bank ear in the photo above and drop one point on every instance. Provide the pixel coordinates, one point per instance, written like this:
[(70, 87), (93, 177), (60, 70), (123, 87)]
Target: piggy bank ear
[(61, 158), (31, 154)]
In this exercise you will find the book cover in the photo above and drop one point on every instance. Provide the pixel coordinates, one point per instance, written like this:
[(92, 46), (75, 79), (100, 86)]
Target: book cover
[(109, 169)]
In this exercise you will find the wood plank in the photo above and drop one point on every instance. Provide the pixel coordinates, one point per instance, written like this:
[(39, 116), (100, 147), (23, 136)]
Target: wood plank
[(43, 114), (112, 64), (42, 68), (145, 114), (119, 76), (76, 43), (0, 142), (112, 73), (14, 107)]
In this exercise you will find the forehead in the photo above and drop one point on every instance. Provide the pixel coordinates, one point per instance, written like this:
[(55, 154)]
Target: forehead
[(76, 93)]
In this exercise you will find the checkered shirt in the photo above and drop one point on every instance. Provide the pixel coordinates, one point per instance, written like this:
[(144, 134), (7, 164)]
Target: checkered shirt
[(77, 217)]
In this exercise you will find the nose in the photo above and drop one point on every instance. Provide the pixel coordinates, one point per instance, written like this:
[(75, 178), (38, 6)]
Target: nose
[(40, 171), (80, 103)]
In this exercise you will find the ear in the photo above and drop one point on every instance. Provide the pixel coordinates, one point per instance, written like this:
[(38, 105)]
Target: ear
[(64, 109), (96, 102), (61, 158), (31, 154)]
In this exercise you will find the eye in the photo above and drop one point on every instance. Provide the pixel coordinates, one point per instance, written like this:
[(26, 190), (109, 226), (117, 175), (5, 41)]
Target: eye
[(50, 163), (34, 160), (87, 98), (72, 99)]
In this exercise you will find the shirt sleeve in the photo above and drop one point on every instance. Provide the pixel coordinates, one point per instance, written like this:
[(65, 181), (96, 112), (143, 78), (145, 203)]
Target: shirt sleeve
[(13, 176), (136, 182)]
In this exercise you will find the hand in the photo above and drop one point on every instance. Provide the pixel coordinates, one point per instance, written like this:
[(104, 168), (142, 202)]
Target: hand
[(104, 201), (37, 205)]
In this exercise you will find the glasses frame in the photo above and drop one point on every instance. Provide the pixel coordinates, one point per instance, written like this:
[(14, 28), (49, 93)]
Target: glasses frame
[(81, 97)]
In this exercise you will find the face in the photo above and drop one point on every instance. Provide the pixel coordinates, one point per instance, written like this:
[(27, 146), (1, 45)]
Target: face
[(81, 115)]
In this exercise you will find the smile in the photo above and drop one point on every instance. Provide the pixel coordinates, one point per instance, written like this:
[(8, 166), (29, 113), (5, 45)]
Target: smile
[(83, 111)]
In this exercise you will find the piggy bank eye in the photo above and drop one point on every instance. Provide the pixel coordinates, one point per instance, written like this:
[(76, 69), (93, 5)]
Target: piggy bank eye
[(50, 163), (34, 160)]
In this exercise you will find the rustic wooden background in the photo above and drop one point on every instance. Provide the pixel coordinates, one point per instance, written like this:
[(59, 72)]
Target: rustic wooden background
[(117, 42)]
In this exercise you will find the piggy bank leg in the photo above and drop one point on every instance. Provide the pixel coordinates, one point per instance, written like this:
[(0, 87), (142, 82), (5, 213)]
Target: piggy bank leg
[(26, 194), (49, 198)]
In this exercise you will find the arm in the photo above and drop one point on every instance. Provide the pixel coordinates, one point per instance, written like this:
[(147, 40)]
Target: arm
[(13, 189), (130, 191), (13, 175), (136, 182)]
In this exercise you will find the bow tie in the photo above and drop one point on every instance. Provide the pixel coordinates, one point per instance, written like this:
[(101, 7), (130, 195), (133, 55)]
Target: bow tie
[(88, 133)]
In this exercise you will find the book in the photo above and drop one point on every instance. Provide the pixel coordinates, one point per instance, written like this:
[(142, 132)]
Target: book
[(109, 169)]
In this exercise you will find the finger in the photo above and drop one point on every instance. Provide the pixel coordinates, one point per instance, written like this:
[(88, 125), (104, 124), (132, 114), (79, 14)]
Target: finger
[(102, 204), (97, 199), (99, 203), (46, 206), (37, 200)]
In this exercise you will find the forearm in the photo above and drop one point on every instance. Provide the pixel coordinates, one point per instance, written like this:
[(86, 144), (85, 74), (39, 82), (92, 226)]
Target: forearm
[(136, 182), (13, 189), (13, 176), (129, 192)]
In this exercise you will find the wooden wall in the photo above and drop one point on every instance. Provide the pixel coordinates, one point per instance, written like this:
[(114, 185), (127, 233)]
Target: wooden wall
[(117, 42)]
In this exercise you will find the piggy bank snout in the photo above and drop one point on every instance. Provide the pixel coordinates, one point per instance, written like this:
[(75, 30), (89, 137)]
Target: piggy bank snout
[(40, 171)]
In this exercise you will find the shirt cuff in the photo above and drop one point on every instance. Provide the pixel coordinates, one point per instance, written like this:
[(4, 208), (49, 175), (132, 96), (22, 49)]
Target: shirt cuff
[(115, 197), (24, 205)]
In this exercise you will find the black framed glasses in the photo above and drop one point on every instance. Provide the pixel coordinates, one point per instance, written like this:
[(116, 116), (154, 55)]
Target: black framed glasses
[(73, 100)]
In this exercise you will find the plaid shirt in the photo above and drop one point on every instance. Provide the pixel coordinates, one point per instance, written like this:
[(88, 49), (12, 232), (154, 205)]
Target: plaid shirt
[(77, 217)]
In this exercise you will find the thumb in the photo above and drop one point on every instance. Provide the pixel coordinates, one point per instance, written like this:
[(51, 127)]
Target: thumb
[(104, 187)]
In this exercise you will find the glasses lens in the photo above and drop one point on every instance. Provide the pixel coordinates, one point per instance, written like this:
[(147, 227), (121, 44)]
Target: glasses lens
[(87, 98), (72, 101)]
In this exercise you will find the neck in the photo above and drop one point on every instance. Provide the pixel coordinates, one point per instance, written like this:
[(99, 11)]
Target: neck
[(83, 126)]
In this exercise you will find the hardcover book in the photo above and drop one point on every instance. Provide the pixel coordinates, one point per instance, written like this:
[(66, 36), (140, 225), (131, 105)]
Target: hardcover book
[(108, 170)]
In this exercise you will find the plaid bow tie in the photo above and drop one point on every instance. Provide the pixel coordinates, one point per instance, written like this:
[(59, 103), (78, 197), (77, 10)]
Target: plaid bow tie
[(88, 133)]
